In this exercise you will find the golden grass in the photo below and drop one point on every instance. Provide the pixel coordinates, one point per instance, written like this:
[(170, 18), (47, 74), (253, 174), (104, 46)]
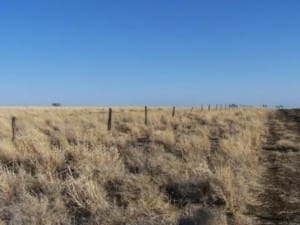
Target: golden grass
[(66, 168)]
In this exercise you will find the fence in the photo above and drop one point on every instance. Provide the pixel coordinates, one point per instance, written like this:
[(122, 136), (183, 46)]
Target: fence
[(110, 117)]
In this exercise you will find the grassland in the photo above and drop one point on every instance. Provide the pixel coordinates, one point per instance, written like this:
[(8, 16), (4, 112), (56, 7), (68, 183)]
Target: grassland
[(66, 168)]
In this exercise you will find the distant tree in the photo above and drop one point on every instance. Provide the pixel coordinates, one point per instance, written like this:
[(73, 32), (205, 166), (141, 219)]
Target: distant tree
[(56, 104), (233, 106), (265, 106), (279, 107)]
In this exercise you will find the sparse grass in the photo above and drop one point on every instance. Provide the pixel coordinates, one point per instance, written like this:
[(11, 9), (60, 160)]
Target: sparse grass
[(66, 168)]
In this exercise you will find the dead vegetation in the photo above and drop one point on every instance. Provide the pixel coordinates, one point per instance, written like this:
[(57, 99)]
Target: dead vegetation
[(66, 168)]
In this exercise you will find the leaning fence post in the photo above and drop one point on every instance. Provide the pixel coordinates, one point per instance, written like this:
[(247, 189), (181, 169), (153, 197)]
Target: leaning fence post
[(173, 111), (13, 128), (146, 115), (109, 119)]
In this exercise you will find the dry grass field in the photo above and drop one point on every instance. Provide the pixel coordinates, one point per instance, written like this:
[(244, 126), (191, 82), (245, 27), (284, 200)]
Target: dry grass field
[(66, 168)]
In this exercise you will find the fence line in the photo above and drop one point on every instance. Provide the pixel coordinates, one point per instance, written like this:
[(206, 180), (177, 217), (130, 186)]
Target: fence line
[(221, 107)]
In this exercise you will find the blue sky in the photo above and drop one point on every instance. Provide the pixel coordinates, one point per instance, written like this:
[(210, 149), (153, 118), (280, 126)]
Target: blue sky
[(153, 52)]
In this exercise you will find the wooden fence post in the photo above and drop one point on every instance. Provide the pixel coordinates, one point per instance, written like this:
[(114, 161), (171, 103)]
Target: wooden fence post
[(13, 128), (209, 107), (201, 107), (173, 111), (146, 115), (109, 119)]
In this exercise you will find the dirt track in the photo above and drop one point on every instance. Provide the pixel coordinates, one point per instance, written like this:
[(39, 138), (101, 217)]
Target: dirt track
[(279, 202)]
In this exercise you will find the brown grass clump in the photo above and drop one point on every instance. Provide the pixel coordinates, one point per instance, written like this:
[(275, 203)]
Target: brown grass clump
[(66, 168)]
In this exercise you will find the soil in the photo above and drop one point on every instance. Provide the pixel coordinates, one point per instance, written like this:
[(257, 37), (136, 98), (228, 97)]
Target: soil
[(279, 202)]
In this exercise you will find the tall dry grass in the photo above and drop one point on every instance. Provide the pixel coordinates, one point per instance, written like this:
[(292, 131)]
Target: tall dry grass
[(66, 168)]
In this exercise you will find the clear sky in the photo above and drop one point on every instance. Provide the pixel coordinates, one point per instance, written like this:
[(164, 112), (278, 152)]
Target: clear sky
[(154, 52)]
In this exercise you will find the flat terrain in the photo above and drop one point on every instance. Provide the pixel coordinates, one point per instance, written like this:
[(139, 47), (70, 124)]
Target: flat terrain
[(200, 167)]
